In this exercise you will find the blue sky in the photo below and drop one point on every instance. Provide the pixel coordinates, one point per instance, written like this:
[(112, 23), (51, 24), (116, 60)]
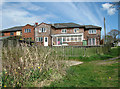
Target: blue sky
[(84, 13)]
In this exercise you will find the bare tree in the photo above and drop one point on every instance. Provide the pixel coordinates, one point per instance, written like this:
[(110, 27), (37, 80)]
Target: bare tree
[(113, 33), (116, 5)]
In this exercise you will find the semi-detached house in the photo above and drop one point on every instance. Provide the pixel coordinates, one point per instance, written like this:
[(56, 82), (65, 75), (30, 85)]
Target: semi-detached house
[(67, 34)]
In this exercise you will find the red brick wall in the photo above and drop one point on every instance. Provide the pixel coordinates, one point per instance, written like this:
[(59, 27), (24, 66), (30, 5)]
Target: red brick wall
[(8, 34), (69, 31), (30, 34), (98, 32)]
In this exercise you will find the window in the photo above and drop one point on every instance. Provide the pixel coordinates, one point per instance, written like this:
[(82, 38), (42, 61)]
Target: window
[(21, 33), (91, 41), (64, 39), (72, 39), (63, 30), (45, 39), (76, 30), (92, 31), (39, 39), (11, 33), (67, 38), (27, 30), (2, 34), (42, 30)]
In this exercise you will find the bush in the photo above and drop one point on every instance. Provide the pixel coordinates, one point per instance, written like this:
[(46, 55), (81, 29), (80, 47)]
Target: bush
[(22, 65)]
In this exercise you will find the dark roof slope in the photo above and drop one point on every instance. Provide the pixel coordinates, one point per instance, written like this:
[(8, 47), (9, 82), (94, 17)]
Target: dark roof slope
[(66, 25), (17, 28), (91, 26)]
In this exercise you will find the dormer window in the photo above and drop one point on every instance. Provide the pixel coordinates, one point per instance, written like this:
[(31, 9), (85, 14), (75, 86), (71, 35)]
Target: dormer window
[(92, 31), (42, 30), (63, 30), (76, 30)]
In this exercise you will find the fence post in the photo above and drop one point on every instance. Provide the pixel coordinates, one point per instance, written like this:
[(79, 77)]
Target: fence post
[(1, 45), (84, 52)]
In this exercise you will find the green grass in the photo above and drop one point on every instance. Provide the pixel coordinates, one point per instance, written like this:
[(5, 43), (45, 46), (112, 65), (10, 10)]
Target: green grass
[(111, 54), (90, 74), (94, 72)]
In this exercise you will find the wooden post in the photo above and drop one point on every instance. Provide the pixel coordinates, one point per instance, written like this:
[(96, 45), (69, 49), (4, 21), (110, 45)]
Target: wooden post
[(104, 31)]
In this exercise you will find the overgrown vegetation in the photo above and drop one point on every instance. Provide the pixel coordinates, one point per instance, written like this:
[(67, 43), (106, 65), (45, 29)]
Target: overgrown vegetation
[(23, 65)]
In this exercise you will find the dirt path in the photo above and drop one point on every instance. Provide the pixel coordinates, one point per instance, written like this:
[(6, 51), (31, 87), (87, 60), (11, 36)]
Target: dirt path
[(72, 63), (113, 58)]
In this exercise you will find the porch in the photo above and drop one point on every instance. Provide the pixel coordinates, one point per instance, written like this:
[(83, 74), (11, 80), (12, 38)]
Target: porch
[(67, 39)]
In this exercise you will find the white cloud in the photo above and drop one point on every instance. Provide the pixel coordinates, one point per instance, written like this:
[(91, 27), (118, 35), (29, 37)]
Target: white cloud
[(19, 14), (110, 10)]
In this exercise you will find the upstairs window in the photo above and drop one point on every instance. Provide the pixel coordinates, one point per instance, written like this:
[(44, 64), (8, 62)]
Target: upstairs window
[(11, 33), (92, 31), (27, 30), (42, 30), (63, 30), (76, 30)]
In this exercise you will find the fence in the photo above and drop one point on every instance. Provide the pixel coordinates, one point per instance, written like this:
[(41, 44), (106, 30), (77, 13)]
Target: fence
[(77, 51), (71, 51)]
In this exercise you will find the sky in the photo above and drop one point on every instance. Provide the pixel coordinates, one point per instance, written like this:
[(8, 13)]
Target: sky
[(83, 13)]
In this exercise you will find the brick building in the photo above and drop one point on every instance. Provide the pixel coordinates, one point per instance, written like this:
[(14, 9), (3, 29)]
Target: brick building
[(57, 34), (14, 31), (67, 34)]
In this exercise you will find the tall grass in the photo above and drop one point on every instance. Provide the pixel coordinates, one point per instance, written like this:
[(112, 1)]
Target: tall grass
[(22, 65)]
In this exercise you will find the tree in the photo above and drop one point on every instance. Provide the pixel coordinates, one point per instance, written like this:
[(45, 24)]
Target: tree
[(109, 39), (113, 33), (116, 5)]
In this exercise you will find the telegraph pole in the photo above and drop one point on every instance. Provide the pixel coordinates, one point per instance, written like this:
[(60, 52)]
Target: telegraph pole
[(104, 31)]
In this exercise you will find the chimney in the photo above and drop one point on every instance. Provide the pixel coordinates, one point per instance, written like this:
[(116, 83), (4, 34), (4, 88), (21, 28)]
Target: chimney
[(36, 24)]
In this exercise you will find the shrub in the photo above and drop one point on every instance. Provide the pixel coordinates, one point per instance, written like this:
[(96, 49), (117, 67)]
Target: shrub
[(22, 64)]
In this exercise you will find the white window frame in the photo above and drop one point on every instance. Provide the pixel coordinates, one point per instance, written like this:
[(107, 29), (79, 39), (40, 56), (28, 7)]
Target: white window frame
[(91, 41), (63, 31), (38, 39), (77, 29), (42, 30), (69, 37), (92, 31)]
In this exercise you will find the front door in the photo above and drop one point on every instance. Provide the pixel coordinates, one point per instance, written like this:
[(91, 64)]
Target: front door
[(45, 41)]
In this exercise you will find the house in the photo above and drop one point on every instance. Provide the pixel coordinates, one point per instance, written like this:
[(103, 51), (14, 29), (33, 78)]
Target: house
[(14, 31), (28, 32), (67, 34), (57, 34)]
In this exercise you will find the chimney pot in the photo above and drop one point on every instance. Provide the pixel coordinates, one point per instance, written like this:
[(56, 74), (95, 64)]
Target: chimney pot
[(36, 24)]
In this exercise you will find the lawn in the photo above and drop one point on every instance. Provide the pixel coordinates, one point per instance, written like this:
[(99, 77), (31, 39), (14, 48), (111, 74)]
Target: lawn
[(90, 74), (94, 72)]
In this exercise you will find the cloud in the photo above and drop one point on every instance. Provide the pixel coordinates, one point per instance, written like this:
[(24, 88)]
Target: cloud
[(110, 10), (16, 14)]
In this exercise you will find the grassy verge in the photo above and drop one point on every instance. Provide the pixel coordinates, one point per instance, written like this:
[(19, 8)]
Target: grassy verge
[(90, 74)]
